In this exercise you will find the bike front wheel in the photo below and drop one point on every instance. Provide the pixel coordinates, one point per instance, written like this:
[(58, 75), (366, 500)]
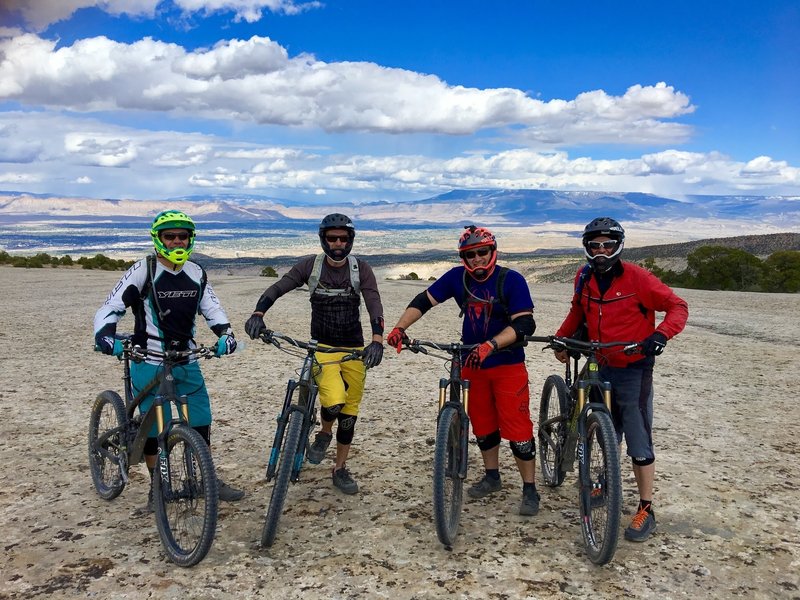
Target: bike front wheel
[(185, 495), (447, 481), (108, 425), (553, 424), (601, 489), (291, 440)]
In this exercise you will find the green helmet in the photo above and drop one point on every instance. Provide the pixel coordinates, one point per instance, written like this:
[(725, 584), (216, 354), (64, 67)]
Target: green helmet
[(172, 219)]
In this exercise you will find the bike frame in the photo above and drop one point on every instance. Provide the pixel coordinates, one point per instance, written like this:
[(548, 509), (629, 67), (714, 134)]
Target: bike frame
[(306, 405), (458, 399)]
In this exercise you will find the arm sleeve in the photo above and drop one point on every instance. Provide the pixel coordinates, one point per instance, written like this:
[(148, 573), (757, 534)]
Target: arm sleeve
[(369, 291), (296, 277), (212, 311), (127, 290)]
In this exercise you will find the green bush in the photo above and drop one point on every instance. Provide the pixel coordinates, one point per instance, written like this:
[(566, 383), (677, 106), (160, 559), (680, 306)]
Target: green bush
[(268, 272)]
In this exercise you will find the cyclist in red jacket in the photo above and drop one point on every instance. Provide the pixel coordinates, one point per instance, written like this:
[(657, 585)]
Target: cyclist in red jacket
[(617, 301)]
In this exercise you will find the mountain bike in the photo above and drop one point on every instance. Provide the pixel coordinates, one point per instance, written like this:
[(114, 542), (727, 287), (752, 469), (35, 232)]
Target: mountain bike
[(452, 439), (295, 422), (185, 484), (575, 420)]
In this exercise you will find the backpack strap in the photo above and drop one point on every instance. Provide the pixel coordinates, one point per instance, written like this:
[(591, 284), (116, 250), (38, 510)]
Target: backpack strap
[(586, 272), (316, 272), (499, 296)]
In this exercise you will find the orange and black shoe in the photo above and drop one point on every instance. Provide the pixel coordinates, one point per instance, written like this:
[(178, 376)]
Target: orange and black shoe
[(642, 526)]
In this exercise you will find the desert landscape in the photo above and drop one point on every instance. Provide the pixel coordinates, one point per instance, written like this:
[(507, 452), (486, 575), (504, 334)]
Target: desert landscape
[(727, 473)]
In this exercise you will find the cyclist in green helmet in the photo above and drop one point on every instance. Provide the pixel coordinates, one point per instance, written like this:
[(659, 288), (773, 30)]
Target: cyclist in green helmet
[(165, 292)]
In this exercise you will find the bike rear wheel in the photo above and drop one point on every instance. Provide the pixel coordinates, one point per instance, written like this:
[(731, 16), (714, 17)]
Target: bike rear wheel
[(186, 511), (447, 481), (108, 424), (601, 492), (553, 424), (291, 439)]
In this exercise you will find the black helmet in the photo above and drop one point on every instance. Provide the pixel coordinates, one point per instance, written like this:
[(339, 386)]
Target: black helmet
[(337, 221), (607, 227)]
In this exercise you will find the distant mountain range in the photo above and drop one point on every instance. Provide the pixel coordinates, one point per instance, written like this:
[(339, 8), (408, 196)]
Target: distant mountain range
[(490, 207)]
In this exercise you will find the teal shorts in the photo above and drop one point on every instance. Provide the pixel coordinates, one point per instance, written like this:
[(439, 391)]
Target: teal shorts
[(188, 380)]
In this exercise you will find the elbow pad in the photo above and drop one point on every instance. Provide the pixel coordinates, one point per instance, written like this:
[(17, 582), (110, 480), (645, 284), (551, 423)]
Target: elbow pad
[(421, 302), (523, 325)]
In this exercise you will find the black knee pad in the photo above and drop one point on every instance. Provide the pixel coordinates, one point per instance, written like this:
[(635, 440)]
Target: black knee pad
[(346, 429), (524, 450), (151, 446), (487, 442), (330, 413), (205, 433), (643, 462)]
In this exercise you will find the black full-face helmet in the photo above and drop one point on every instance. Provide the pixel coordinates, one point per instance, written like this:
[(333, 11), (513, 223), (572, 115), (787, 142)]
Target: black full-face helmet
[(607, 227), (337, 221)]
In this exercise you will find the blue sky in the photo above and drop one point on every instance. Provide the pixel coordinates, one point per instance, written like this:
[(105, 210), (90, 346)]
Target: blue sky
[(362, 101)]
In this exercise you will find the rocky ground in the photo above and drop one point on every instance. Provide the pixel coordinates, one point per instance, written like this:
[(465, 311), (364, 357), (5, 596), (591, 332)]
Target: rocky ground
[(726, 489)]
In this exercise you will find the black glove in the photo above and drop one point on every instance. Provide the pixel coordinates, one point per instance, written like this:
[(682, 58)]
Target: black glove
[(107, 344), (373, 354), (254, 326), (654, 344)]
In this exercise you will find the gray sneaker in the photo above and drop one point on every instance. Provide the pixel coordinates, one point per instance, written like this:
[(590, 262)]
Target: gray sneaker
[(487, 485), (316, 451), (228, 493), (529, 505), (344, 481), (641, 527)]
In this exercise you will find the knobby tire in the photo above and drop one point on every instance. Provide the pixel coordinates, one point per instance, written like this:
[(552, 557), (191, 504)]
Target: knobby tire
[(186, 515), (553, 425), (447, 484), (600, 516), (108, 413), (291, 439)]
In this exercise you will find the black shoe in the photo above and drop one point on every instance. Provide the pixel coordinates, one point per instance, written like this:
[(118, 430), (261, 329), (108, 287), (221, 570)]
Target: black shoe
[(487, 485), (530, 504), (316, 451), (150, 507), (344, 481), (228, 493)]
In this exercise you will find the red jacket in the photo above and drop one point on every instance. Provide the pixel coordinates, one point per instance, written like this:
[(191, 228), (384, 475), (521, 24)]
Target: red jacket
[(626, 312)]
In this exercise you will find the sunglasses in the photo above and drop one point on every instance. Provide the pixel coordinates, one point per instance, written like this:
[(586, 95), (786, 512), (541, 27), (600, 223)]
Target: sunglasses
[(609, 245), (183, 236), (470, 254), (337, 238)]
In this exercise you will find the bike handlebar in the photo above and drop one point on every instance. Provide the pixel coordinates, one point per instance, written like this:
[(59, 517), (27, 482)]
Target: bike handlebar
[(275, 337), (139, 353), (559, 343), (418, 346)]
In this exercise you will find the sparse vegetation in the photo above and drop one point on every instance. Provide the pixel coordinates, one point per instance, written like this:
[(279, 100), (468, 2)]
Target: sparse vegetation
[(733, 269), (41, 260), (269, 272)]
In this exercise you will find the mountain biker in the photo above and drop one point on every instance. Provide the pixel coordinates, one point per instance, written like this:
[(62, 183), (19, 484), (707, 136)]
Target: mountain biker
[(617, 301), (165, 292), (498, 312), (337, 281)]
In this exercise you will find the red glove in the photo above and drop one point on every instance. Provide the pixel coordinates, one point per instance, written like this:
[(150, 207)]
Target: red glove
[(396, 338), (478, 355)]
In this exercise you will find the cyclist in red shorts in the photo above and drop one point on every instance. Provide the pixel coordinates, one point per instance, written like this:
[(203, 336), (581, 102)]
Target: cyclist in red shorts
[(498, 312)]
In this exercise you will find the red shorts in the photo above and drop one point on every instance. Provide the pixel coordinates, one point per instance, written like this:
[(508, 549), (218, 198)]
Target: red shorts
[(499, 398)]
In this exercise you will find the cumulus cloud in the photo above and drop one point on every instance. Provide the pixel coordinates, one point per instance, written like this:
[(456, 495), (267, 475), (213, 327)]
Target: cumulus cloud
[(100, 150), (255, 80), (38, 14)]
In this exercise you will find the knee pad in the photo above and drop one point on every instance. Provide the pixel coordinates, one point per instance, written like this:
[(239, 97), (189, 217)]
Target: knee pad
[(346, 429), (205, 433), (643, 462), (151, 446), (487, 442), (524, 450), (329, 413)]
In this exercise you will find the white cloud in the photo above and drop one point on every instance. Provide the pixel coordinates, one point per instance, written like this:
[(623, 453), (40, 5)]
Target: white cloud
[(256, 81), (38, 14), (83, 180), (100, 150)]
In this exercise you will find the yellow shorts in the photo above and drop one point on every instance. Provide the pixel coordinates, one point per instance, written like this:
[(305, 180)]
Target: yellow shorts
[(340, 383)]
